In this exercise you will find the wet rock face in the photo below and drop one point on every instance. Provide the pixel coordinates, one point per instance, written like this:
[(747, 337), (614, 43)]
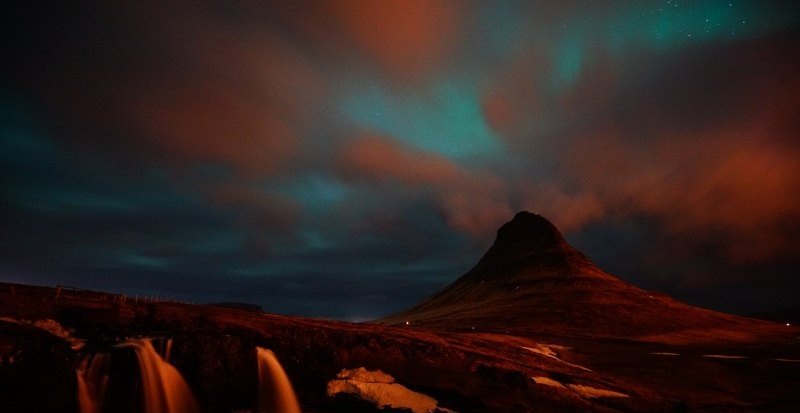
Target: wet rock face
[(36, 371), (220, 369)]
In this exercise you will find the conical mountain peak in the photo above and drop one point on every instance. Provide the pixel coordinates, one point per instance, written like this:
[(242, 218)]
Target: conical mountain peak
[(529, 230), (526, 235), (531, 280)]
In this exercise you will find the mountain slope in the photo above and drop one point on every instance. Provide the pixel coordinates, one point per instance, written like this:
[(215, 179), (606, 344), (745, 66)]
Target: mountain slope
[(532, 281)]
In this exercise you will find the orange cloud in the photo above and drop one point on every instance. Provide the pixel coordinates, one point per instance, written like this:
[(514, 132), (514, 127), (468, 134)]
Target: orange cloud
[(408, 39), (372, 157), (569, 212), (737, 188), (210, 124)]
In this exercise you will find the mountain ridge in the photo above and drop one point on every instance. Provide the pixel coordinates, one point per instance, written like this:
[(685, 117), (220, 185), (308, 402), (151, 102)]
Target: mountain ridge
[(532, 281)]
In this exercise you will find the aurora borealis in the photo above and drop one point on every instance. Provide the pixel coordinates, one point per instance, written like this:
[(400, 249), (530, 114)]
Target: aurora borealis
[(348, 158)]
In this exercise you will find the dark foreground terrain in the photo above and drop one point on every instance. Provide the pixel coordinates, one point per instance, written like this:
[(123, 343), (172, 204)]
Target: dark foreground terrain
[(465, 371), (534, 327)]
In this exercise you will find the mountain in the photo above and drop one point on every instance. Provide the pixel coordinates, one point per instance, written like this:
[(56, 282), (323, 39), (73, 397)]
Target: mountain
[(789, 315), (532, 281)]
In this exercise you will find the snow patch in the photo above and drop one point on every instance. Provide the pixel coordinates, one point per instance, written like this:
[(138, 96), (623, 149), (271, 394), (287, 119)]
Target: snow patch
[(380, 389), (542, 349), (593, 392), (363, 375), (546, 381), (723, 356), (665, 353), (547, 351), (788, 360), (583, 391)]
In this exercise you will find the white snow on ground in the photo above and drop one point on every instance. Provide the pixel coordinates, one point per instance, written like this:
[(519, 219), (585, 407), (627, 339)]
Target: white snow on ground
[(548, 382), (592, 392), (52, 327), (788, 360), (547, 351), (542, 349), (723, 356), (363, 375), (379, 388), (583, 391), (665, 353)]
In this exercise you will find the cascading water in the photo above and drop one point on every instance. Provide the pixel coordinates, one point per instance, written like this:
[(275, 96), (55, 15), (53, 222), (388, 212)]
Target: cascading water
[(168, 350), (163, 346), (275, 393), (163, 388), (92, 382), (165, 391)]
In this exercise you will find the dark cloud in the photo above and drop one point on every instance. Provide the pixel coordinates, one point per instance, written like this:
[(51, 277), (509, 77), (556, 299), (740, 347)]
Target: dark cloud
[(471, 201)]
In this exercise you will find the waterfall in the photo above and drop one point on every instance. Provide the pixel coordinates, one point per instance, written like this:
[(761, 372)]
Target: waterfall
[(275, 393), (163, 387), (168, 350), (165, 391), (163, 346), (101, 386), (92, 377)]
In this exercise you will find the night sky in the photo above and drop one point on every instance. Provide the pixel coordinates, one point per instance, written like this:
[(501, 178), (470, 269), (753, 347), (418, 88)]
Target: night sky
[(347, 159)]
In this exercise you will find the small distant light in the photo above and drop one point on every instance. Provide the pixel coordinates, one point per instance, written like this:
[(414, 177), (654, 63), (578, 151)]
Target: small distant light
[(407, 323), (788, 325)]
